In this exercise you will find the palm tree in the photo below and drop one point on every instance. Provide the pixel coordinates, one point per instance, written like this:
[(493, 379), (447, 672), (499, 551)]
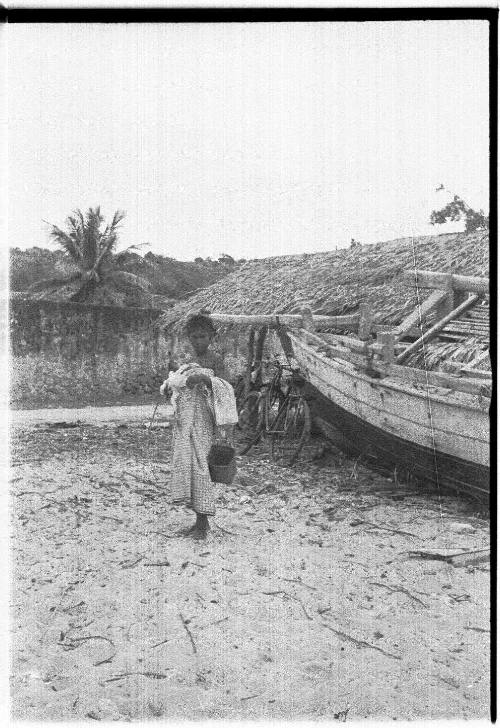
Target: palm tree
[(94, 273)]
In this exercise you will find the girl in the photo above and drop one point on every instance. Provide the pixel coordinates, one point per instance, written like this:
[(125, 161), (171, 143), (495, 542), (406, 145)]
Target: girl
[(205, 409)]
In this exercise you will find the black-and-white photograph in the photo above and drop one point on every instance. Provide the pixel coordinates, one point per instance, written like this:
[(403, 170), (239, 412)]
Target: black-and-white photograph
[(249, 369)]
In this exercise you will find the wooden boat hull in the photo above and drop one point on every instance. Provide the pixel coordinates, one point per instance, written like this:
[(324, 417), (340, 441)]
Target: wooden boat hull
[(431, 436)]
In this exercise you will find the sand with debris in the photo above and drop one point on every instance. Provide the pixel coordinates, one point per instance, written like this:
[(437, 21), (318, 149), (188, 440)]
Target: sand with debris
[(303, 603)]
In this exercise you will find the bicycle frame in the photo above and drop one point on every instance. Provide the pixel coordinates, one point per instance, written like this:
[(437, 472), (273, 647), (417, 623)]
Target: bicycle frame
[(289, 399)]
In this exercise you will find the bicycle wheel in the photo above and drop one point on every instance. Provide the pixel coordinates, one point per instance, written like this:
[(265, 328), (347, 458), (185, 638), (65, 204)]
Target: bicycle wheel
[(290, 431), (250, 420)]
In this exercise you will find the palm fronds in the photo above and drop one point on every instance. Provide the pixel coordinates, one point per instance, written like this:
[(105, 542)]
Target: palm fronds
[(68, 242), (91, 248), (91, 240)]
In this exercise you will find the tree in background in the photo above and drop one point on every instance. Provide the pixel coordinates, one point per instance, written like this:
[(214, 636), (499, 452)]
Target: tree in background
[(226, 259), (457, 210), (94, 274)]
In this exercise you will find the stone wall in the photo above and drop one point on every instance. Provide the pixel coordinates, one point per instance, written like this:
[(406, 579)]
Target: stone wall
[(70, 353)]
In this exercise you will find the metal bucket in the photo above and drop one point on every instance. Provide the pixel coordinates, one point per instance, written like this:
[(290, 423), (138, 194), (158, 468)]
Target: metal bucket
[(222, 464)]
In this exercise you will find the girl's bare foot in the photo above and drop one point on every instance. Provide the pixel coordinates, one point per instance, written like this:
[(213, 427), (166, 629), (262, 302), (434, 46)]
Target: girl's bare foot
[(200, 529), (200, 534)]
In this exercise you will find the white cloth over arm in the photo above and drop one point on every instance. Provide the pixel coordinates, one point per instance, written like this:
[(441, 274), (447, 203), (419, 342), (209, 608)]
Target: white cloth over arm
[(224, 402)]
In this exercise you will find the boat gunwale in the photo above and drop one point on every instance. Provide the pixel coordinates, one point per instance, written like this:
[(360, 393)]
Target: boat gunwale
[(389, 383)]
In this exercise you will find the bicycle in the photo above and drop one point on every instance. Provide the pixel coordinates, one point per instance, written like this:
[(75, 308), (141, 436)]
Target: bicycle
[(257, 406), (284, 415)]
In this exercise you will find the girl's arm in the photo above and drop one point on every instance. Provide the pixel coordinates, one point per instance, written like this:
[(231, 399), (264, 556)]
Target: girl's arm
[(195, 379)]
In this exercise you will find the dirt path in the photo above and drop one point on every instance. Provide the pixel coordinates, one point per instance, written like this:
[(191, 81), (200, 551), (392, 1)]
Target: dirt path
[(303, 602), (92, 415)]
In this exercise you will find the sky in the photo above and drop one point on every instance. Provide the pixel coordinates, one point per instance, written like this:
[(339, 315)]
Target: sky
[(246, 139)]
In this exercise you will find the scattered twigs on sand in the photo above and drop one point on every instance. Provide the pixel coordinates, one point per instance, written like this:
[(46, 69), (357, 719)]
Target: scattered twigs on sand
[(455, 558), (219, 621), (272, 593), (133, 563), (359, 643), (303, 607), (185, 625), (299, 581), (400, 589), (289, 596), (73, 643), (185, 564), (361, 521), (224, 530), (151, 675), (478, 629), (160, 643), (249, 697)]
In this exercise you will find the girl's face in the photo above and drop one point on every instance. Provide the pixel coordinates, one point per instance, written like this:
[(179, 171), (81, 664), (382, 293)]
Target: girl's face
[(200, 340)]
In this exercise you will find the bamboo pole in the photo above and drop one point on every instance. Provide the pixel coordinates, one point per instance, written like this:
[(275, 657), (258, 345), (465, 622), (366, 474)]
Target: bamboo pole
[(430, 279), (439, 326), (288, 319)]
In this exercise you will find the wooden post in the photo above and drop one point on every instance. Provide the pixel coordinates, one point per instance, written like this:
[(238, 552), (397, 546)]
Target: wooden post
[(250, 358), (259, 348), (285, 341), (387, 341), (365, 322)]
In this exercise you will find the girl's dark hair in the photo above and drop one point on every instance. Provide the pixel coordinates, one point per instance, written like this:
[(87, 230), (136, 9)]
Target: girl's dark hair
[(199, 321)]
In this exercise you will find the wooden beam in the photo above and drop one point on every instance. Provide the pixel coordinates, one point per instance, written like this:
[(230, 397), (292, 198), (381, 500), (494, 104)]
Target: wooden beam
[(408, 375), (339, 340), (434, 330), (415, 317), (288, 319), (423, 378), (465, 370), (339, 351), (360, 347), (430, 279)]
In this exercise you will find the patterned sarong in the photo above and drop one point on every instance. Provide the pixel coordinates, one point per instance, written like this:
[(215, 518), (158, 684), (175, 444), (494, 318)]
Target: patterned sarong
[(194, 432)]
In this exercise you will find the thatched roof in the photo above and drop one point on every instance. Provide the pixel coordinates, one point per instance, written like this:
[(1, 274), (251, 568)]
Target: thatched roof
[(337, 282)]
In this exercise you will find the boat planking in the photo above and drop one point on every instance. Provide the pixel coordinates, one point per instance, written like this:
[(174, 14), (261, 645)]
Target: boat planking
[(430, 433)]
